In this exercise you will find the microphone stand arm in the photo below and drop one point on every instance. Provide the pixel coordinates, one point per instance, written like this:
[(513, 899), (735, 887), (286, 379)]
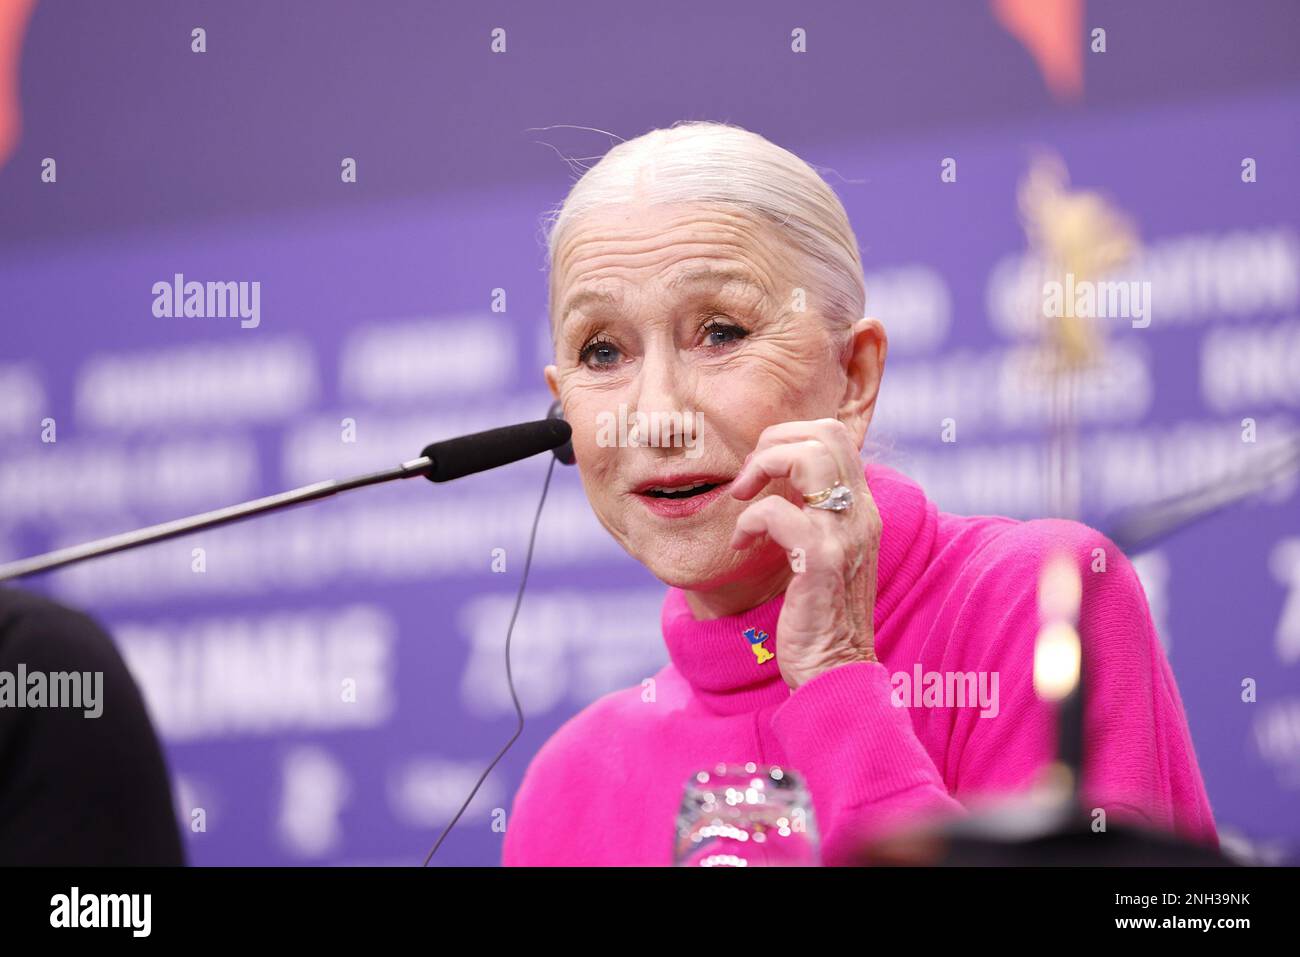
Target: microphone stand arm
[(220, 516), (1139, 529)]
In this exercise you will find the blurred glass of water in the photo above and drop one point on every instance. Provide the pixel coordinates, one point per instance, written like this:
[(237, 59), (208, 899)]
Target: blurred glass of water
[(746, 816)]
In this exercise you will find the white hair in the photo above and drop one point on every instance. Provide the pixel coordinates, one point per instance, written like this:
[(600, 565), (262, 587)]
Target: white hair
[(707, 162)]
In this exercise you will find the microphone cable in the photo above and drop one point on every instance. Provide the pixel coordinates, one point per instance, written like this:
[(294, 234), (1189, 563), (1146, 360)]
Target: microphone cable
[(510, 681)]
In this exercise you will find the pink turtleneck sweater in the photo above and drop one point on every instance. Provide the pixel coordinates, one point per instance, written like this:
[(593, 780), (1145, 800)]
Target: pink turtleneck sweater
[(955, 594)]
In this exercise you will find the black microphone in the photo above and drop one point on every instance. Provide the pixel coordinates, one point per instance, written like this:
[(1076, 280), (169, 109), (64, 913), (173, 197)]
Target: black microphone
[(440, 462), (563, 453), (454, 458)]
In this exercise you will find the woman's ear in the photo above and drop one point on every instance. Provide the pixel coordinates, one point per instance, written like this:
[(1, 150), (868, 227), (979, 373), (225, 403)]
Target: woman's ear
[(864, 364), (552, 381)]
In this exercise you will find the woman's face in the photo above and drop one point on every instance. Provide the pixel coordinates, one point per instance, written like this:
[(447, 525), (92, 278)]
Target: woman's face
[(685, 321)]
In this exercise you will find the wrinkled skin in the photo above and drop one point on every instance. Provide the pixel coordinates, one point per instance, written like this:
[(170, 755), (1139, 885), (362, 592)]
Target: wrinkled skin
[(785, 402)]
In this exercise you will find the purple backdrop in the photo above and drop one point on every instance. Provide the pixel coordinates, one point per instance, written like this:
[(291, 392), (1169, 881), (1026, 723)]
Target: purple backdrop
[(330, 683)]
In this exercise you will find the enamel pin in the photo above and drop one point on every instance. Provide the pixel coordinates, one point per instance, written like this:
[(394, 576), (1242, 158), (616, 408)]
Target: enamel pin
[(756, 639)]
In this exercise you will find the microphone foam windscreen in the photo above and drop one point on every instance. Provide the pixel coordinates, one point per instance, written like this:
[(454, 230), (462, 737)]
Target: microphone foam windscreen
[(468, 454)]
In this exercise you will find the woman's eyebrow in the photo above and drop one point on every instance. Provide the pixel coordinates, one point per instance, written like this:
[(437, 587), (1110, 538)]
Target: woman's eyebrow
[(706, 276), (586, 297)]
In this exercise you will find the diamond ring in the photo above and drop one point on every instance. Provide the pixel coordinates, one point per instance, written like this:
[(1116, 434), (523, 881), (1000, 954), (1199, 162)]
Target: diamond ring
[(837, 498)]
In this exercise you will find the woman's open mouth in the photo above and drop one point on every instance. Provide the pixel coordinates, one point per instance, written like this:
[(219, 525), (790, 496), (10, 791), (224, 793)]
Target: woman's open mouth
[(682, 491), (676, 497)]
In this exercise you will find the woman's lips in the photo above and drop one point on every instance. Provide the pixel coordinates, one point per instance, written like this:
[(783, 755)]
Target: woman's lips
[(683, 507)]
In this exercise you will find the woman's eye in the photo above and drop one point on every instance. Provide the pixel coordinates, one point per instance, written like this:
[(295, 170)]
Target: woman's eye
[(599, 352), (721, 333)]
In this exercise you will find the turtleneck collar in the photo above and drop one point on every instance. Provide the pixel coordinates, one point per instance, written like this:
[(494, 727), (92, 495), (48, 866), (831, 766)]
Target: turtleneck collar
[(726, 660)]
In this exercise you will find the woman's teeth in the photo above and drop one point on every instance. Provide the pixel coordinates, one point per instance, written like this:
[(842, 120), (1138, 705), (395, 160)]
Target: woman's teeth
[(681, 491)]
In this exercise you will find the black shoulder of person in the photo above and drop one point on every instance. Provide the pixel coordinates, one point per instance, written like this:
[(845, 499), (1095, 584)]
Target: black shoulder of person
[(83, 779)]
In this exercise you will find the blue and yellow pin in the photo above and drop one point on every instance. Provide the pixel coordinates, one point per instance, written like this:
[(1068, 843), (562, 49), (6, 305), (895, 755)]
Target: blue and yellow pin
[(756, 639)]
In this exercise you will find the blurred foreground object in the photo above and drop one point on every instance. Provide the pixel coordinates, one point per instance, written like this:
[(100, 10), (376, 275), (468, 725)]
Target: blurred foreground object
[(746, 817), (1042, 829), (76, 789), (1048, 824)]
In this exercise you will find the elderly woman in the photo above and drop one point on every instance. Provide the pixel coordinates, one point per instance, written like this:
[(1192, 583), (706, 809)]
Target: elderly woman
[(703, 275)]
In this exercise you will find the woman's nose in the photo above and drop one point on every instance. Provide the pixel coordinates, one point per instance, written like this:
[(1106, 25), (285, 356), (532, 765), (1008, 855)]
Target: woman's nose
[(663, 390)]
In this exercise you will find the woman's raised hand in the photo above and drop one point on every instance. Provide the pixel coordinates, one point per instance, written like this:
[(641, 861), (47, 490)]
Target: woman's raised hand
[(827, 616)]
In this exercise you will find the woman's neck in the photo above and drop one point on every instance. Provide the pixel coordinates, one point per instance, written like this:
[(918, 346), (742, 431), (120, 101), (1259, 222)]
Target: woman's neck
[(742, 594)]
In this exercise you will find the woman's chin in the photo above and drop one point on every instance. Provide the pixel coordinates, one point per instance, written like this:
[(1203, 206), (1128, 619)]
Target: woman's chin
[(701, 568), (691, 576), (690, 567)]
